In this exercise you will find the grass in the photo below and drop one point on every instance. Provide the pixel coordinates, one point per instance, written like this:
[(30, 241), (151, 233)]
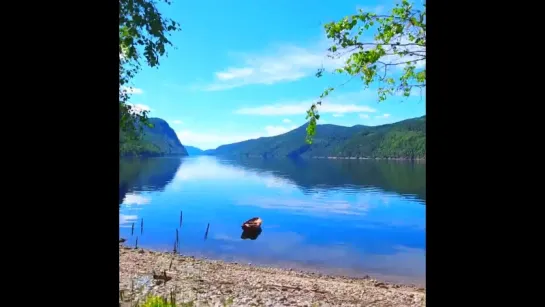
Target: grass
[(157, 301), (228, 302), (165, 301)]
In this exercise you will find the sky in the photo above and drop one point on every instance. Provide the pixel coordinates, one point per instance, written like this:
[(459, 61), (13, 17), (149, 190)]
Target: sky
[(245, 69)]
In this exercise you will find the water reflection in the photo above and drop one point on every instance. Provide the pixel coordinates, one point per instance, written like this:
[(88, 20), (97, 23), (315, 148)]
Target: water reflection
[(312, 175), (315, 175), (145, 175), (347, 217), (251, 233)]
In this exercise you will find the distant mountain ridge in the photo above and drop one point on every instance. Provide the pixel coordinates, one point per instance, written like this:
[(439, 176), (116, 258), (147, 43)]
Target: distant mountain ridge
[(405, 139), (161, 140), (194, 151)]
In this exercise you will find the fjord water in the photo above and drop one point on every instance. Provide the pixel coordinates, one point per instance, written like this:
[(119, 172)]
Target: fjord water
[(346, 217)]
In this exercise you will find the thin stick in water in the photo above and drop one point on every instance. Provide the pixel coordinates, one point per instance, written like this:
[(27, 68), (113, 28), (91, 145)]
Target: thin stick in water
[(132, 229), (177, 243), (136, 245), (181, 217), (142, 227), (206, 233)]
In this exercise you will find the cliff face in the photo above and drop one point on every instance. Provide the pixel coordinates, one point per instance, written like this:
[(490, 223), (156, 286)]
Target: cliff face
[(161, 140)]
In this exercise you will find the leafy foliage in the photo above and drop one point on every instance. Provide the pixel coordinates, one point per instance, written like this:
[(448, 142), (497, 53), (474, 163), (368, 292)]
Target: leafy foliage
[(399, 41), (143, 34), (160, 140), (406, 139)]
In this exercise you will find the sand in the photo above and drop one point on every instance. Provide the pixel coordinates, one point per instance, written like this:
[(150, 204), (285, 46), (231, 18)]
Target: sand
[(202, 282)]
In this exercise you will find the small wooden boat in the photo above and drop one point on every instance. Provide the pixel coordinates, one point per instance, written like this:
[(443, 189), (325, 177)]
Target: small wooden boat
[(253, 223)]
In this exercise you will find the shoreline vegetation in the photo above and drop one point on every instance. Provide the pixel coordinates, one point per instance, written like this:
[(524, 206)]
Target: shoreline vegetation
[(261, 157), (332, 158), (190, 281)]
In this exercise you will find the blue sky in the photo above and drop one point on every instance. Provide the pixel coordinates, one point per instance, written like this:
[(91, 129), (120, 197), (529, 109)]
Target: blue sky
[(245, 69)]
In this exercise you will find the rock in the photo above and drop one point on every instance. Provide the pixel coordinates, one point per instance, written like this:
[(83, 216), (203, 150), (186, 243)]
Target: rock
[(381, 285)]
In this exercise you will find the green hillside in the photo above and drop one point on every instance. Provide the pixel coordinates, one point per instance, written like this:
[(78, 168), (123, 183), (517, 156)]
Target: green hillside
[(405, 139), (160, 140)]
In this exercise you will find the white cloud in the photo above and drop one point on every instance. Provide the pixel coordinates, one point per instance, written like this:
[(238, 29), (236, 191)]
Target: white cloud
[(301, 108), (290, 62), (385, 115), (338, 115), (283, 63), (364, 116), (287, 121), (234, 73), (177, 122), (133, 90), (339, 104)]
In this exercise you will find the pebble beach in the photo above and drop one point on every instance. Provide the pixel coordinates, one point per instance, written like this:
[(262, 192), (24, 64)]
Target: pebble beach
[(202, 282)]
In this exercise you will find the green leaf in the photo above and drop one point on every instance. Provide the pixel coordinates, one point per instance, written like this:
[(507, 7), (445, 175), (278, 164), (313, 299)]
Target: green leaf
[(141, 28), (366, 62)]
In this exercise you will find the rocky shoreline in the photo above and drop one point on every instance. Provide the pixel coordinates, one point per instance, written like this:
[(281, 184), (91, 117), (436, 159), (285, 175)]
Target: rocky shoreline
[(199, 282)]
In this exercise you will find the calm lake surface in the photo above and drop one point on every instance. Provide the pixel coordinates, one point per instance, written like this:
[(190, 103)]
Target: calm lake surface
[(346, 217)]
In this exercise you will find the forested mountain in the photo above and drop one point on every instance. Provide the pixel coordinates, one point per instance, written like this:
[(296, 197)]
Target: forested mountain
[(405, 139), (160, 140)]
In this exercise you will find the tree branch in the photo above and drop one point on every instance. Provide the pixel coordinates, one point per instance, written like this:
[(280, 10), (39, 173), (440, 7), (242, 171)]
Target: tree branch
[(389, 44)]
